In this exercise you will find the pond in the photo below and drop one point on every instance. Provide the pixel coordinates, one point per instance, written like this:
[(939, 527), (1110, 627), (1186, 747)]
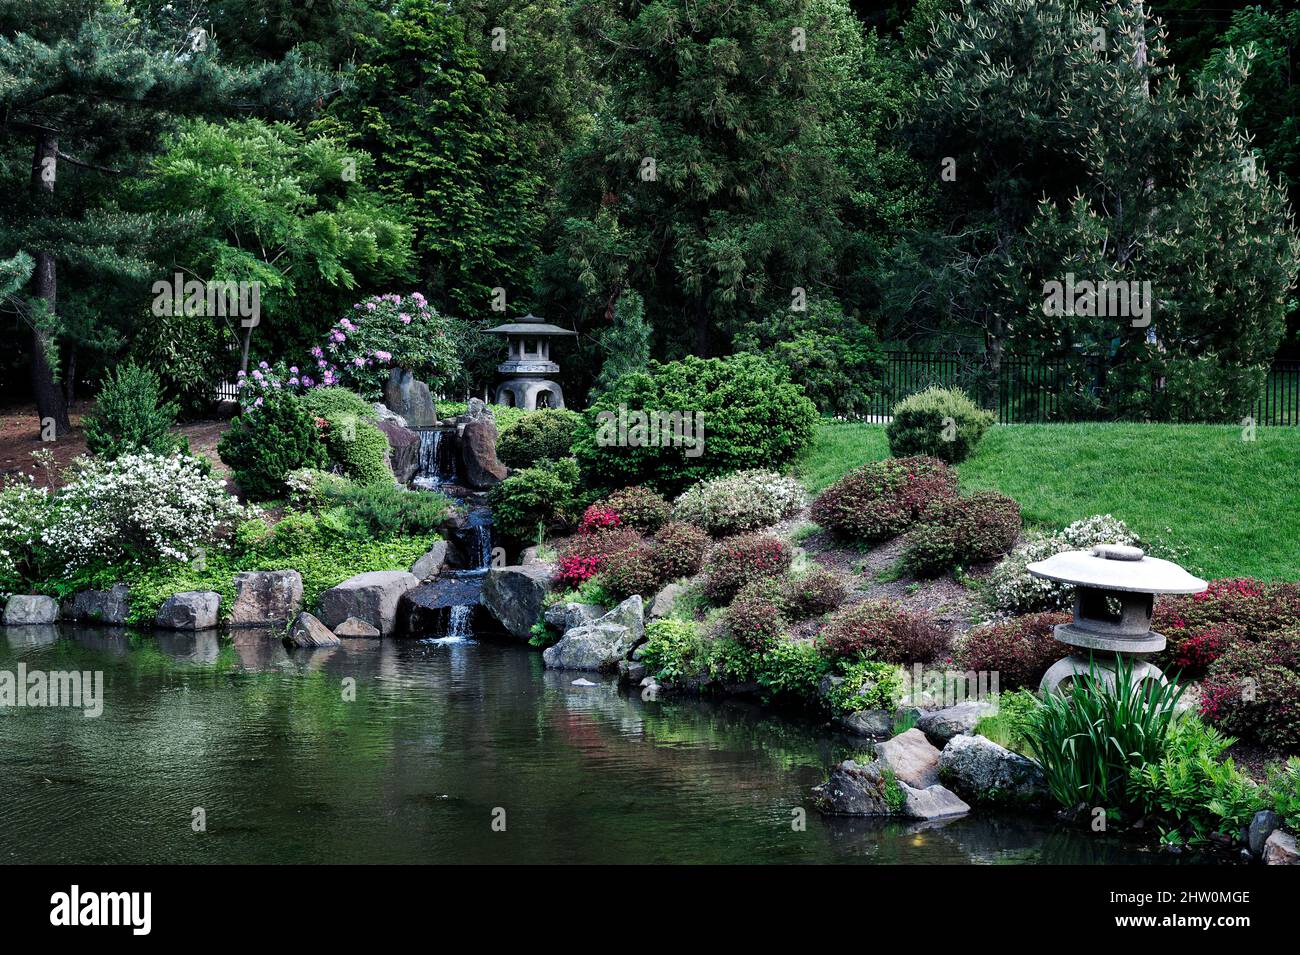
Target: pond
[(443, 739)]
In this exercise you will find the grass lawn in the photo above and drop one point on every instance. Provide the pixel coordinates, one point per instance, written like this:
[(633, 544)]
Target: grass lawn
[(1230, 508)]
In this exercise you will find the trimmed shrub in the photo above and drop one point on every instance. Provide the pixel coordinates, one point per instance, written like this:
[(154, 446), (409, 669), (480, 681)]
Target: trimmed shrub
[(812, 594), (358, 448), (597, 518), (679, 550), (881, 630), (882, 499), (535, 500), (1253, 691), (938, 422), (584, 556), (1019, 650), (737, 562), (130, 415), (544, 435), (1011, 588), (337, 403), (631, 572), (744, 501), (960, 532), (640, 507), (752, 415), (1255, 607), (263, 446), (754, 619)]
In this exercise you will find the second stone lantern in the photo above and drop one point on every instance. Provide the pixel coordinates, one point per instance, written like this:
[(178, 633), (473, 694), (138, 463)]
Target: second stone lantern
[(1116, 588)]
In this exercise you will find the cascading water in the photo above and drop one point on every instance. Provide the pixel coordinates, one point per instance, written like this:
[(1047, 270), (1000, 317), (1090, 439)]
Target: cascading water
[(437, 459), (447, 613)]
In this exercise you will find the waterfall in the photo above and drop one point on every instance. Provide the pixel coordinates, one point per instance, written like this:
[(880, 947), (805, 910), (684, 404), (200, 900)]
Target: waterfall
[(453, 625), (437, 459), (453, 597)]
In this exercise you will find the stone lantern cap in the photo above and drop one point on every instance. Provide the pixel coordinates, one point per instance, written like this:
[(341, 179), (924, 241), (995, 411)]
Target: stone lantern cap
[(532, 325), (1117, 567)]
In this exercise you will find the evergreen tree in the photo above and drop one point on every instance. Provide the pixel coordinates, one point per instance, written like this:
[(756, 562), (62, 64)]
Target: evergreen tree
[(626, 342)]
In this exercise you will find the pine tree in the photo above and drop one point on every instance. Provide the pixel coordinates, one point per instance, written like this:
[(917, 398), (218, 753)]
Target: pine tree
[(626, 342)]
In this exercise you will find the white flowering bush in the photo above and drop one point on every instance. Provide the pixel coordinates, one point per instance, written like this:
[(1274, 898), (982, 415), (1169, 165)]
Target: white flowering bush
[(1014, 590), (740, 502), (141, 507), (24, 514)]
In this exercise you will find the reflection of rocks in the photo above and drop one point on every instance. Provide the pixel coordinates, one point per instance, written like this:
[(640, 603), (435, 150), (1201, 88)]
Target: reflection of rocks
[(265, 598), (26, 610), (31, 636), (191, 610), (256, 649), (203, 646), (108, 607)]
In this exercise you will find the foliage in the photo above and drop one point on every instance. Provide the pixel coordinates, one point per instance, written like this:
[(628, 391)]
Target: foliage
[(813, 593), (1253, 691), (881, 630), (865, 685), (754, 618), (789, 672), (882, 499), (585, 555), (632, 572), (130, 415), (937, 422), (640, 508), (26, 510), (625, 343), (1282, 785), (672, 648), (379, 510), (679, 550), (1200, 627), (739, 502), (536, 499), (263, 446), (337, 402), (506, 416), (1009, 726), (543, 435), (732, 413), (961, 531), (1019, 650), (358, 448), (740, 560)]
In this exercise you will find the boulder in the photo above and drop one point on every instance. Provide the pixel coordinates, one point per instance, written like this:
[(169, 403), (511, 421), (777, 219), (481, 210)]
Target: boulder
[(632, 672), (664, 601), (308, 633), (564, 617), (1280, 849), (265, 598), (29, 610), (602, 643), (942, 725), (385, 413), (100, 606), (478, 451), (854, 790), (873, 723), (409, 397), (514, 595), (190, 610), (372, 597), (430, 564), (404, 450), (355, 627), (932, 802), (1262, 825), (980, 770), (911, 757)]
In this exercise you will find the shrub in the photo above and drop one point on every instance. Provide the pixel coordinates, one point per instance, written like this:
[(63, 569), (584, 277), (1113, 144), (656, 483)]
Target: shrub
[(678, 550), (1282, 786), (337, 402), (1254, 607), (865, 685), (26, 510), (264, 445), (752, 415), (1253, 691), (790, 671), (813, 594), (584, 556), (744, 501), (938, 422), (536, 500), (1009, 726), (130, 415), (358, 448), (597, 518), (961, 531), (631, 572), (881, 630), (506, 416), (1019, 650), (1011, 588), (640, 507), (672, 648), (295, 532), (381, 510), (882, 499), (544, 435), (754, 619), (737, 562)]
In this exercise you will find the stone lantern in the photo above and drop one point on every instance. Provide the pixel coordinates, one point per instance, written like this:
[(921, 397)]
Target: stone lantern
[(528, 367), (1116, 587)]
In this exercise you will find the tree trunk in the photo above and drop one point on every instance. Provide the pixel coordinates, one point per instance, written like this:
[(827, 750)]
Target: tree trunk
[(51, 407)]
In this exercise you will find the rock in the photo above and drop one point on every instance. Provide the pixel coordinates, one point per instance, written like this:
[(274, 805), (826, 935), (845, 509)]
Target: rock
[(602, 643), (190, 610), (932, 802), (478, 452), (854, 790), (1280, 849), (410, 398), (308, 633), (632, 672), (662, 604), (430, 564), (514, 596), (942, 725), (100, 606), (911, 757), (372, 597), (980, 770), (564, 617), (476, 409), (404, 450), (385, 413), (529, 555), (29, 610), (868, 723), (265, 598), (582, 682), (355, 627), (1261, 827)]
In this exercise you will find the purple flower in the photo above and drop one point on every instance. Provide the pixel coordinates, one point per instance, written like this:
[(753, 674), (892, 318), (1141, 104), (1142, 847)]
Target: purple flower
[(406, 319), (383, 355), (257, 403), (316, 352), (262, 364), (359, 361)]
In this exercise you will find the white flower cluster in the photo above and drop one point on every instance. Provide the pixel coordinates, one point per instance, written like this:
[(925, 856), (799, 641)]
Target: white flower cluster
[(24, 513), (141, 506), (1014, 590), (743, 501)]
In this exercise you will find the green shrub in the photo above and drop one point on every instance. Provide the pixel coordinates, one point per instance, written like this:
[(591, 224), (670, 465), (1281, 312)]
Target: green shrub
[(264, 446), (678, 550), (938, 422), (961, 531), (881, 630), (639, 508), (672, 649), (737, 562), (294, 532), (337, 402), (544, 435), (813, 593), (381, 510), (865, 685), (507, 416), (536, 500), (358, 448), (130, 415), (752, 416), (1282, 785), (1009, 726), (882, 499), (26, 511), (790, 672), (744, 501)]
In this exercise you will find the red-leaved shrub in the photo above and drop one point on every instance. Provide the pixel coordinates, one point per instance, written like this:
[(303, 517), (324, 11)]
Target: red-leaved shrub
[(1019, 650), (961, 531), (882, 630), (583, 556), (639, 507), (883, 499), (678, 550), (1253, 691), (597, 518), (754, 619), (631, 572), (813, 594), (740, 560)]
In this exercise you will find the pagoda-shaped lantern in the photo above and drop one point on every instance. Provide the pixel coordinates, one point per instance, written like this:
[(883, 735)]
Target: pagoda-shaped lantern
[(528, 367), (1115, 597)]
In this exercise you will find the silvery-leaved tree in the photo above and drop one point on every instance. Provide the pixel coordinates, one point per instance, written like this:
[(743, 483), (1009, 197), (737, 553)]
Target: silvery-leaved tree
[(1098, 210)]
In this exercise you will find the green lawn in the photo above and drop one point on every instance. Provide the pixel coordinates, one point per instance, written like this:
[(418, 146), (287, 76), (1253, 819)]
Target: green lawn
[(1229, 507)]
